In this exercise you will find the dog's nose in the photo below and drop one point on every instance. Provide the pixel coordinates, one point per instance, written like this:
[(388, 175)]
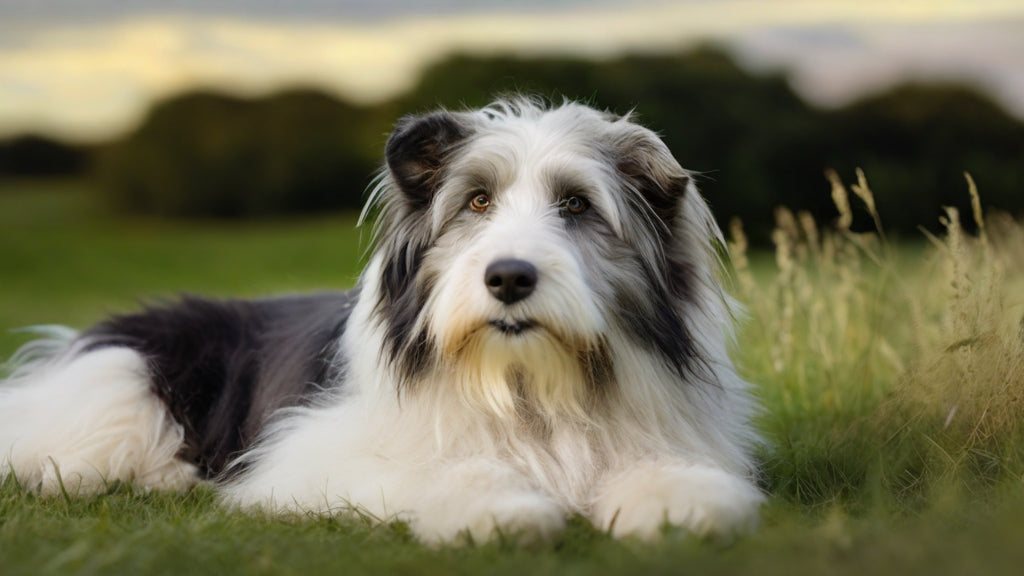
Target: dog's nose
[(510, 280)]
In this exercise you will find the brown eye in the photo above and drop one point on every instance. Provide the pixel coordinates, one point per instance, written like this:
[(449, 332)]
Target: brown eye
[(480, 202), (575, 205)]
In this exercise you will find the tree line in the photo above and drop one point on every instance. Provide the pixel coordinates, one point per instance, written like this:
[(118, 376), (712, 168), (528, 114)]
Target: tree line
[(754, 143)]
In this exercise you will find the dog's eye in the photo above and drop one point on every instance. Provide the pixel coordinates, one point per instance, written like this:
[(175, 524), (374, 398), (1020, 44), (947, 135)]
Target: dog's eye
[(480, 202), (574, 205)]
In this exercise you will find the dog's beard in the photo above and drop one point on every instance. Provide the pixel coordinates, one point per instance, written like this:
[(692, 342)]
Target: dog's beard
[(520, 368)]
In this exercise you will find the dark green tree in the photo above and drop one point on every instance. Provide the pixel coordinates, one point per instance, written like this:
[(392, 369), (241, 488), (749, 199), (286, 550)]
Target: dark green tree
[(752, 141), (207, 154)]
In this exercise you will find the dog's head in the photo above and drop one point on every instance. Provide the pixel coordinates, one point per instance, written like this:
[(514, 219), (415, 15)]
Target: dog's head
[(522, 246)]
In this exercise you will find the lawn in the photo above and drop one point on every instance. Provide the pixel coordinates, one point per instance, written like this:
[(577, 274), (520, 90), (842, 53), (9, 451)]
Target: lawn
[(64, 259), (892, 375)]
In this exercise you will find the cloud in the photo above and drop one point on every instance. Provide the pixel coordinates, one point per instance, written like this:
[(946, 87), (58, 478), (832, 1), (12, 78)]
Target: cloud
[(94, 80), (831, 69)]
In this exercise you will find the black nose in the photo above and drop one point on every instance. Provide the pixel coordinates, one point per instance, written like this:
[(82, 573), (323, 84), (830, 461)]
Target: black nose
[(510, 280)]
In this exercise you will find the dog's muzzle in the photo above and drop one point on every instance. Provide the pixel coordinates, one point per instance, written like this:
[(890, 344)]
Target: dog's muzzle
[(510, 280)]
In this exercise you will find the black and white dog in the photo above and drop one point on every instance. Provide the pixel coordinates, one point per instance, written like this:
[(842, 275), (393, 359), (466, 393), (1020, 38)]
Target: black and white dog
[(539, 331)]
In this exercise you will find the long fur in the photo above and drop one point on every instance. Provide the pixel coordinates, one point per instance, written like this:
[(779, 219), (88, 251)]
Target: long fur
[(602, 388)]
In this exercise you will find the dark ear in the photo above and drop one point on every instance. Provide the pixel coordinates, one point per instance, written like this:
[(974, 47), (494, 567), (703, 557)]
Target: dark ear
[(647, 164), (417, 150)]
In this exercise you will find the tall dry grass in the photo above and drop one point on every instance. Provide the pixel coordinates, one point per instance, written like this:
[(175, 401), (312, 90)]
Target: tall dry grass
[(961, 405), (886, 373)]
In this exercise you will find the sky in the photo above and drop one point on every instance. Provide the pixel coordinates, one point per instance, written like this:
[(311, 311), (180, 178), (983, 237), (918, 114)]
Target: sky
[(87, 70)]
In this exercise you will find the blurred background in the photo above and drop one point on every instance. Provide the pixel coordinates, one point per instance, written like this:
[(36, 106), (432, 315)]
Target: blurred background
[(239, 110)]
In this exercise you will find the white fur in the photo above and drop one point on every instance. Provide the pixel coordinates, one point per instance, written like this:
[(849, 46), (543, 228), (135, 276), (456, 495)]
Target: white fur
[(501, 432), (80, 424)]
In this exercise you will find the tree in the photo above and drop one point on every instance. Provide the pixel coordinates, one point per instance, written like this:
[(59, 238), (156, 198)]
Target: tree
[(206, 154)]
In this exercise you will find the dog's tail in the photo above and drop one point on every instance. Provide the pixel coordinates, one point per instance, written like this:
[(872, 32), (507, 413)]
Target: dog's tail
[(52, 344)]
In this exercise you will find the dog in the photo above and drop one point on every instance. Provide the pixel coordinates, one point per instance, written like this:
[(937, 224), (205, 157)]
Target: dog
[(539, 331)]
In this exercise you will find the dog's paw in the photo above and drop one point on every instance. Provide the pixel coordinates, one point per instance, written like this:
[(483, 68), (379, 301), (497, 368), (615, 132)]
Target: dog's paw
[(173, 476), (523, 518), (72, 477), (702, 500)]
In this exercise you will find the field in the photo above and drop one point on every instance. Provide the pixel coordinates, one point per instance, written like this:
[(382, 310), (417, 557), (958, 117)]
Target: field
[(892, 375)]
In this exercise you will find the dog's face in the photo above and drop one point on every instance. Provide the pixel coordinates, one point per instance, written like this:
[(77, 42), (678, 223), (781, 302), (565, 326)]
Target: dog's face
[(517, 239)]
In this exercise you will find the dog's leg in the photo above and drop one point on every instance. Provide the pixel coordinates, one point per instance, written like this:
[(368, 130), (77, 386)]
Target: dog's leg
[(479, 499), (78, 425), (705, 500), (351, 458), (443, 502)]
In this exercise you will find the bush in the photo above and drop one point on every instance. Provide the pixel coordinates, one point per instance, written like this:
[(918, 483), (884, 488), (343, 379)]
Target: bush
[(206, 154), (32, 156)]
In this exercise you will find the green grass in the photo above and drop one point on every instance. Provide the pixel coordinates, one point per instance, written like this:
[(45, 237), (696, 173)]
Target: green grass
[(64, 260), (859, 351), (130, 533)]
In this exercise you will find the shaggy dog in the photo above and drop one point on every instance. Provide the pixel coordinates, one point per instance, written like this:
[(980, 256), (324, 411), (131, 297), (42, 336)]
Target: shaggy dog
[(539, 332)]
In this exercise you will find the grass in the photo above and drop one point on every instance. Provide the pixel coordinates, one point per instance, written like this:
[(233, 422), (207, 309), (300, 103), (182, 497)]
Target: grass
[(892, 376), (63, 259), (891, 379)]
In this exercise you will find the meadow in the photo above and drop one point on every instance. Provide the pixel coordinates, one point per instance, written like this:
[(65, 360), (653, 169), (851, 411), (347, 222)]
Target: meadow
[(891, 373)]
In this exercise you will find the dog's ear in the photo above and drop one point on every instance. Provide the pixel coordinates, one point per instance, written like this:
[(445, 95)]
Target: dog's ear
[(418, 149), (644, 161)]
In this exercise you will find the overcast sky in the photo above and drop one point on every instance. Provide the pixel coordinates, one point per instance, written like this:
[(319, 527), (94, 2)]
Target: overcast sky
[(87, 69), (361, 10)]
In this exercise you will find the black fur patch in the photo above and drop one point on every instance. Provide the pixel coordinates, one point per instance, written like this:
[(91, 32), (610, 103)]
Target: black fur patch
[(223, 367), (663, 195), (402, 299), (649, 318), (416, 152)]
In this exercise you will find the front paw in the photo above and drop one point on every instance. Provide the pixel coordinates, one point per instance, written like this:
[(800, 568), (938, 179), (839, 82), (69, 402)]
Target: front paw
[(700, 499), (521, 517)]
